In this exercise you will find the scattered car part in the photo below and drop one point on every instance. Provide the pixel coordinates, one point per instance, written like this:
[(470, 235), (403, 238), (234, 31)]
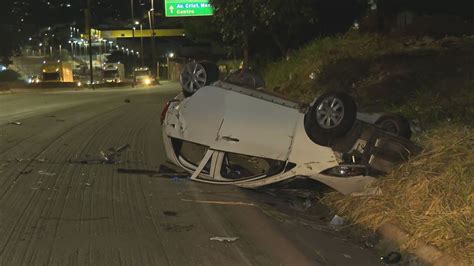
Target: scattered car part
[(109, 157), (336, 222), (122, 148), (391, 258), (224, 239), (43, 172)]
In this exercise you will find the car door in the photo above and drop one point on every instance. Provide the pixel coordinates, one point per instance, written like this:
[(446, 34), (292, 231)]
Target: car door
[(256, 127)]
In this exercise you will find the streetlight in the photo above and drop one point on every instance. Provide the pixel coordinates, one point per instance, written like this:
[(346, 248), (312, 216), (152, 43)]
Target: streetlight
[(141, 41)]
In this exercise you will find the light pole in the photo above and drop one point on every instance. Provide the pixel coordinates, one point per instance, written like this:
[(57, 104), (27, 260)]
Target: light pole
[(141, 43), (132, 9), (151, 17), (88, 14)]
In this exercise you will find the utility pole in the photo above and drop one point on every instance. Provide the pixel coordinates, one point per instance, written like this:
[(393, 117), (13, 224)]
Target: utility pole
[(151, 16), (132, 11), (89, 32), (141, 43)]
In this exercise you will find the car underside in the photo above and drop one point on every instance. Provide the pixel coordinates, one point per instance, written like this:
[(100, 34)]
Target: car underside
[(228, 133)]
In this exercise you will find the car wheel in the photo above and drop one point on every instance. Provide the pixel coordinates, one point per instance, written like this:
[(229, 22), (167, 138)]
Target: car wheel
[(331, 116), (395, 124), (247, 78), (197, 75)]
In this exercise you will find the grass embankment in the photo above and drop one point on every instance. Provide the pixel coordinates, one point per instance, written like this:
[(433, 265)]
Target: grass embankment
[(432, 196)]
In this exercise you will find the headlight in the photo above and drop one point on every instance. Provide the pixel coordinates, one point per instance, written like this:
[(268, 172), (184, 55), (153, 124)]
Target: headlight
[(147, 81), (79, 84)]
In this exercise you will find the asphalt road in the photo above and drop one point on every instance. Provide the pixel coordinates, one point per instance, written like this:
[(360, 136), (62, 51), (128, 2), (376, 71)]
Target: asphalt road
[(60, 204)]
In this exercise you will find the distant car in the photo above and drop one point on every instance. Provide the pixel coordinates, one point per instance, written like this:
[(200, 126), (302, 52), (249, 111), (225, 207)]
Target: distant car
[(233, 132), (34, 79), (142, 76)]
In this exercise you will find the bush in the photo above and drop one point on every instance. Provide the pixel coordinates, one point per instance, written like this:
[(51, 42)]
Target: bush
[(9, 76)]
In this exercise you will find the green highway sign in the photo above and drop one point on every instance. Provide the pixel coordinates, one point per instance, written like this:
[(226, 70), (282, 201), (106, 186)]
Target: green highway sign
[(188, 8)]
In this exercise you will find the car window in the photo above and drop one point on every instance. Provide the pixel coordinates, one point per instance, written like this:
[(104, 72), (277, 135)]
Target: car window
[(238, 166), (193, 153)]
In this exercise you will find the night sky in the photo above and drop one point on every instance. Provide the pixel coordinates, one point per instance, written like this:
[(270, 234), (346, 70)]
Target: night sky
[(42, 13)]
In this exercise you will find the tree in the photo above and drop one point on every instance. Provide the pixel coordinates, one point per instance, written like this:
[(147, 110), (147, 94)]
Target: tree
[(281, 23), (237, 22), (288, 22)]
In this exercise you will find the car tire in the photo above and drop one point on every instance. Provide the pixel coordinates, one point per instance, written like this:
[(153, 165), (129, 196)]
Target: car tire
[(330, 117), (197, 75), (246, 78), (395, 124)]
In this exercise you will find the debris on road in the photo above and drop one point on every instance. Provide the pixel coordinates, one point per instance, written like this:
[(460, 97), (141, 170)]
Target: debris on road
[(127, 101), (220, 202), (170, 213), (336, 222), (122, 148), (301, 204), (16, 123), (391, 258), (25, 172), (371, 240), (347, 256), (110, 157), (167, 171), (224, 239), (43, 172), (149, 173)]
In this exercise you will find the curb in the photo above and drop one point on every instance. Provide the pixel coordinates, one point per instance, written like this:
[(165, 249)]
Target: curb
[(427, 253)]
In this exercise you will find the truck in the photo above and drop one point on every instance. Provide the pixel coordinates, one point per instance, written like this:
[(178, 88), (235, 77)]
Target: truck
[(57, 71), (142, 75), (114, 72)]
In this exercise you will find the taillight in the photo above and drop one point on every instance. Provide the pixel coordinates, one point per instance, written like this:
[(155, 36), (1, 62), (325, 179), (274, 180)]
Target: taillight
[(163, 113)]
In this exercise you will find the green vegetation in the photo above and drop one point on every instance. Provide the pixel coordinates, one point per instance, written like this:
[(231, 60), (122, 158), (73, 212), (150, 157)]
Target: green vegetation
[(424, 79), (9, 76), (432, 196)]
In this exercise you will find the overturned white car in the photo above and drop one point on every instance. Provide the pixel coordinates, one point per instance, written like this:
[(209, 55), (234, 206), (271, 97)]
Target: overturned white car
[(232, 132)]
